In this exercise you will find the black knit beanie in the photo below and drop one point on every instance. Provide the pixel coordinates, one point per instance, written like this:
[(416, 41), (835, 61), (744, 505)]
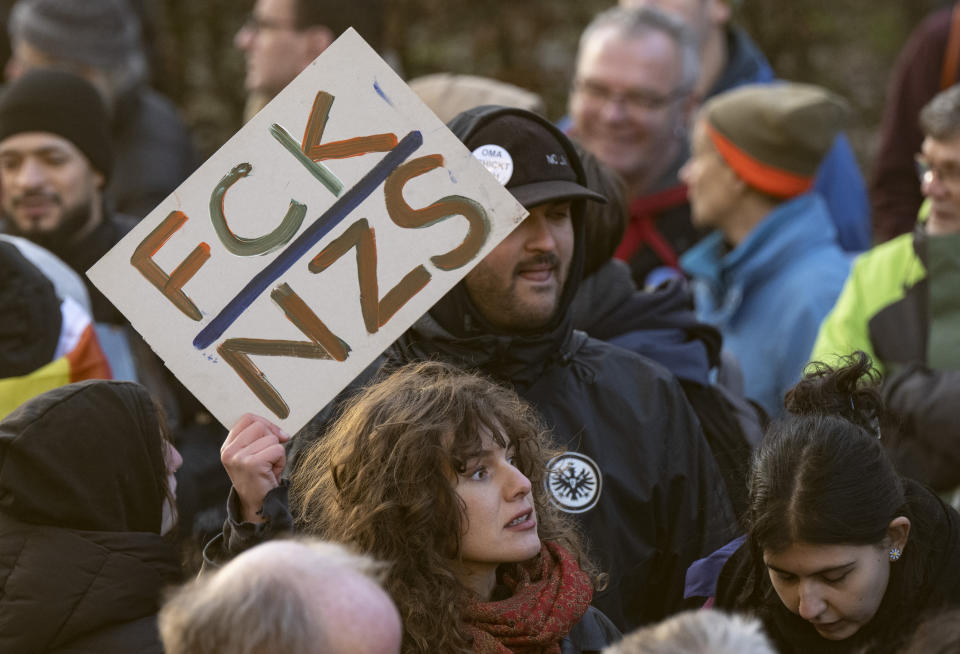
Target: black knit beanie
[(49, 100)]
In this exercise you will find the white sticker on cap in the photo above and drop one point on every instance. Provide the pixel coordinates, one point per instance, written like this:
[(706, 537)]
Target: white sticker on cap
[(497, 160)]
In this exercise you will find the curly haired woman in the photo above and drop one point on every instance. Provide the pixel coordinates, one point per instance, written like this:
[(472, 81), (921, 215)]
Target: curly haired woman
[(441, 474)]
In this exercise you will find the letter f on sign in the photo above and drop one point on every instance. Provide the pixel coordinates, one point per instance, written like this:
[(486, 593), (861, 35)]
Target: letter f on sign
[(170, 285)]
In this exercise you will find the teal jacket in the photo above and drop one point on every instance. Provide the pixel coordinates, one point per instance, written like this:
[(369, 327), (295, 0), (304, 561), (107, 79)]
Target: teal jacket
[(769, 294)]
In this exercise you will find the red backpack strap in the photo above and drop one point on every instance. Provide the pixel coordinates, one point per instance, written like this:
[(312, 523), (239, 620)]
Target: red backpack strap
[(641, 229), (951, 56)]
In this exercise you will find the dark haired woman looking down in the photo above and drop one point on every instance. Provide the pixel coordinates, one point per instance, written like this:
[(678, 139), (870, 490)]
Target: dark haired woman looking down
[(842, 554)]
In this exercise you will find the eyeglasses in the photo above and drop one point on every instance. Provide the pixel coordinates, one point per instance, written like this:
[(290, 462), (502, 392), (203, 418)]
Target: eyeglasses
[(948, 173), (255, 24), (633, 101)]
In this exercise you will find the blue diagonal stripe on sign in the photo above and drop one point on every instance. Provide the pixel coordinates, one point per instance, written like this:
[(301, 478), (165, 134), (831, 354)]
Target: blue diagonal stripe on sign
[(310, 237)]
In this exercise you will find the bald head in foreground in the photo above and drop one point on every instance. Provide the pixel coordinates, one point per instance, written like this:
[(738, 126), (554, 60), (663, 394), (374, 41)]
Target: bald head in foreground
[(292, 596)]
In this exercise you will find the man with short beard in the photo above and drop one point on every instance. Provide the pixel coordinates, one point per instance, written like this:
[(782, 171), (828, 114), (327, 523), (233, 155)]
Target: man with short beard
[(635, 473), (55, 160), (101, 41)]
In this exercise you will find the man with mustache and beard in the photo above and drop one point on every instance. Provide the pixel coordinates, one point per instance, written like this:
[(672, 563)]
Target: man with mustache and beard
[(635, 471), (55, 159)]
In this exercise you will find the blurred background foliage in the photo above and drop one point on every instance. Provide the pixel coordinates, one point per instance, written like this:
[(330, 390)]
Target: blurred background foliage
[(846, 45)]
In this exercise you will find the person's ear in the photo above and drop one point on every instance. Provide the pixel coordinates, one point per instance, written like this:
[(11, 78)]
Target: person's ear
[(720, 11), (898, 532), (736, 186), (13, 69), (99, 179), (737, 183)]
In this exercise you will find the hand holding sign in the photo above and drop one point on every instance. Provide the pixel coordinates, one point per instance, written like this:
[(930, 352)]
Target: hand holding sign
[(253, 457), (244, 281)]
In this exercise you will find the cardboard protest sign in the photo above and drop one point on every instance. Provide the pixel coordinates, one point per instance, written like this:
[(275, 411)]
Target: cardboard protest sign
[(280, 269)]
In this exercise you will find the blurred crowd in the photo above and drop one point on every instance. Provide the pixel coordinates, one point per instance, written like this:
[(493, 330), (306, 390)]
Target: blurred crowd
[(701, 399)]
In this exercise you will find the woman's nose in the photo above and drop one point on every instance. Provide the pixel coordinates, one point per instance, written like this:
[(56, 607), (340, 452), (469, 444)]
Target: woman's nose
[(520, 486), (811, 603)]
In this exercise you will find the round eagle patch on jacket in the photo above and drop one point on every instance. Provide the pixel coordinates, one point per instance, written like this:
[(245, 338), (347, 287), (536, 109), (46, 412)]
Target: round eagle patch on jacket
[(573, 482)]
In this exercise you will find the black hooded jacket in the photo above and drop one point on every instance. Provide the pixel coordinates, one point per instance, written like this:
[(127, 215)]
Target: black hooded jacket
[(82, 563), (661, 325), (638, 475)]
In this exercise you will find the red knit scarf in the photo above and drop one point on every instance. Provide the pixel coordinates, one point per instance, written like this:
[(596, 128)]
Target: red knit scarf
[(550, 595)]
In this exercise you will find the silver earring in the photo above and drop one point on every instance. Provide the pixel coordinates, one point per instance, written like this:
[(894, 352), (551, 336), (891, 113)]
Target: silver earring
[(895, 553)]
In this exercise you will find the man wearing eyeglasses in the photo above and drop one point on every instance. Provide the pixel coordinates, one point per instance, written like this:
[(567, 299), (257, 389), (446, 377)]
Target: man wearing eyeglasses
[(630, 103), (281, 37), (901, 305)]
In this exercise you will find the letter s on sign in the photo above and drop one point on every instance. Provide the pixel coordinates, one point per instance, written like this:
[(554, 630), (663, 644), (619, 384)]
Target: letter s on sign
[(403, 215)]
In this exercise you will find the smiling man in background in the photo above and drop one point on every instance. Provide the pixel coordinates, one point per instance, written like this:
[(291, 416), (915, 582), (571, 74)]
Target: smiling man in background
[(55, 160), (630, 102)]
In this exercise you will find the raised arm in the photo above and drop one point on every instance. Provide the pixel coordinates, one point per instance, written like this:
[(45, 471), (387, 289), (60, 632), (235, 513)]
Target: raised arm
[(254, 457)]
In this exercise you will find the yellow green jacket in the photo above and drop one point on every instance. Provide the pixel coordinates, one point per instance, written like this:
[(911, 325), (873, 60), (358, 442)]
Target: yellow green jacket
[(901, 305)]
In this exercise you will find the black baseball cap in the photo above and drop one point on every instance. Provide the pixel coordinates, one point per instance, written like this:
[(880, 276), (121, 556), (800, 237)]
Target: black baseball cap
[(529, 160)]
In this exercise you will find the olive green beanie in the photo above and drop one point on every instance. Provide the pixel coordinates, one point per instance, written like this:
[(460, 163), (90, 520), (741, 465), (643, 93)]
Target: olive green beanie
[(774, 136)]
